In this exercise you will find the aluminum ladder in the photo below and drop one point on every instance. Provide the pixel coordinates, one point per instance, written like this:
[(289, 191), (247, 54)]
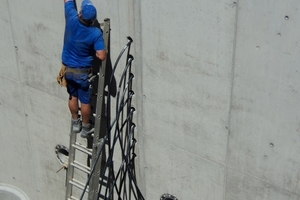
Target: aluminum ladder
[(97, 142)]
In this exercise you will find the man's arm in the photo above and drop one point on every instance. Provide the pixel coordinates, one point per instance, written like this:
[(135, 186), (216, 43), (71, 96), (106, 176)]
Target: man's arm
[(70, 9), (99, 45), (101, 54)]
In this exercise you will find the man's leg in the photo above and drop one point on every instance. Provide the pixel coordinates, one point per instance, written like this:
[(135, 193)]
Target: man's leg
[(86, 126), (85, 113), (73, 106), (72, 88), (85, 98)]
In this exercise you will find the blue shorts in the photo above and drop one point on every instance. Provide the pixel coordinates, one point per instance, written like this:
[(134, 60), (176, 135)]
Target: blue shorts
[(78, 86)]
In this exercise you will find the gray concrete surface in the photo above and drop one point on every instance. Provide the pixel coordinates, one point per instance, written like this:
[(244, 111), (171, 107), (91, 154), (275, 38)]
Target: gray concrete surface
[(217, 92)]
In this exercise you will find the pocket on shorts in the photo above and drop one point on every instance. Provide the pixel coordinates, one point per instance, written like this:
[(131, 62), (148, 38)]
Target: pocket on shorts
[(82, 80)]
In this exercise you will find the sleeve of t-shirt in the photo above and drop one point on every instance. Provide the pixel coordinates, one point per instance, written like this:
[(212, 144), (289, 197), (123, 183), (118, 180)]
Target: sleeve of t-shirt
[(70, 9), (99, 42)]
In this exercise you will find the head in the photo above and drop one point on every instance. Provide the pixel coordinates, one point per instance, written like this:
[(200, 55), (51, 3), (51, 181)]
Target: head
[(88, 13)]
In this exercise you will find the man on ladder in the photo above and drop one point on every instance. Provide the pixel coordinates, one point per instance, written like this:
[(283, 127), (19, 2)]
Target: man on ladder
[(81, 41)]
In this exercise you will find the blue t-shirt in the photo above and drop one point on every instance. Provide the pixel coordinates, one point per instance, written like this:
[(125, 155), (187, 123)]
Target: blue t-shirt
[(80, 41)]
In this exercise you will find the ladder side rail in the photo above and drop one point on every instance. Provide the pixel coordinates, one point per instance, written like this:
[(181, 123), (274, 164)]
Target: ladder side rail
[(70, 169), (95, 174)]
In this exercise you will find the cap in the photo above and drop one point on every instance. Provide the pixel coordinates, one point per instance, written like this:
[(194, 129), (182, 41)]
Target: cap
[(88, 11)]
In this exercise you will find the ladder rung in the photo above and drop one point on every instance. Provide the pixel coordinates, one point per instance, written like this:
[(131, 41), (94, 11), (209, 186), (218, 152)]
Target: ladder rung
[(93, 77), (72, 198), (82, 148), (81, 167), (78, 185)]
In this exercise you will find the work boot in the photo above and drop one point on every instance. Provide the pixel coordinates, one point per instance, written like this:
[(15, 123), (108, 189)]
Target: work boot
[(86, 130), (76, 125)]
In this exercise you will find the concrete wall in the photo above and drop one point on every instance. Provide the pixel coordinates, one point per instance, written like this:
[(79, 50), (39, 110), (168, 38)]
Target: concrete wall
[(217, 92)]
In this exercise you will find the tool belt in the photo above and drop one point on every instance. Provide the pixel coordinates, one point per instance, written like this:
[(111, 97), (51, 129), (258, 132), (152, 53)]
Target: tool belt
[(79, 70), (61, 75)]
